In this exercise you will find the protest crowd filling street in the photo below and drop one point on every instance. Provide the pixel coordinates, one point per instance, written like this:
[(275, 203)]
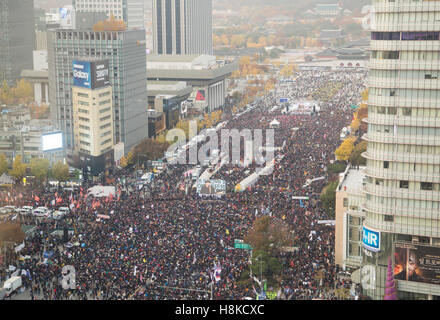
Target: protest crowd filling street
[(150, 240)]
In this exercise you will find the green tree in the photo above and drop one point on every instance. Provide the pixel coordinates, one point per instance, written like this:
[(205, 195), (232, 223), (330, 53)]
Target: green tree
[(5, 94), (23, 92), (39, 168), (356, 157), (346, 149), (18, 168), (60, 171), (269, 234), (328, 198), (3, 164), (265, 266)]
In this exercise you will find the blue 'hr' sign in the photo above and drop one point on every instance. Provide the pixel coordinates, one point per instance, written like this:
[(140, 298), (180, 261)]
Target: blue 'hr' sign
[(371, 239)]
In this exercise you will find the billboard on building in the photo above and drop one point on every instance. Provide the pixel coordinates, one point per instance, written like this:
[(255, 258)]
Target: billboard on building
[(52, 141), (100, 74), (211, 187), (371, 239), (417, 263), (91, 74), (82, 76)]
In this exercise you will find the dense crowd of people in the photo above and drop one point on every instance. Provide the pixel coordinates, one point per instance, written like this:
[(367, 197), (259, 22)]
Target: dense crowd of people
[(155, 241)]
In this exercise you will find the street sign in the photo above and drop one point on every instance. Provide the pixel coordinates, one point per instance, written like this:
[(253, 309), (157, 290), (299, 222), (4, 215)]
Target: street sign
[(244, 246)]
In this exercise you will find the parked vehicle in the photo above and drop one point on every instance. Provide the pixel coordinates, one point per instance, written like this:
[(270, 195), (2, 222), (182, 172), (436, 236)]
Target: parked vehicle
[(12, 284), (65, 210), (29, 209), (58, 215), (41, 212), (22, 211), (2, 293)]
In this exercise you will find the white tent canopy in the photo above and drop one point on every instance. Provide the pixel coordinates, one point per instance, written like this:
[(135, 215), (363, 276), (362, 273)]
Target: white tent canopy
[(101, 191), (275, 123), (5, 179)]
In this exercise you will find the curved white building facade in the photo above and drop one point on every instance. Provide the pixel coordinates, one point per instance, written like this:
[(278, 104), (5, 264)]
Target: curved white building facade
[(403, 153)]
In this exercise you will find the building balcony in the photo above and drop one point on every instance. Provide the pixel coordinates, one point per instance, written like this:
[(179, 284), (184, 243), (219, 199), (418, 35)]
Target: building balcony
[(391, 227), (401, 157), (389, 64), (406, 45), (386, 101), (383, 119), (391, 174), (410, 26), (422, 213), (397, 7), (428, 84), (390, 192), (411, 140)]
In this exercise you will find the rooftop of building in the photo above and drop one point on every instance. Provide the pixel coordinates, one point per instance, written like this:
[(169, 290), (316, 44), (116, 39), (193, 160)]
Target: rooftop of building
[(185, 67), (174, 88), (190, 61), (352, 180)]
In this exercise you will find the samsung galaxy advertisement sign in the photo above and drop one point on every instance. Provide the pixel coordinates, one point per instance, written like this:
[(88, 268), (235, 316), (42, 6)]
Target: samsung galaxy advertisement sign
[(91, 74), (371, 239)]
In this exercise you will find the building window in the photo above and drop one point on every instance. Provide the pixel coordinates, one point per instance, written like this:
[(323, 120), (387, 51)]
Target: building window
[(388, 218), (386, 164), (407, 112), (345, 202), (404, 184), (426, 186)]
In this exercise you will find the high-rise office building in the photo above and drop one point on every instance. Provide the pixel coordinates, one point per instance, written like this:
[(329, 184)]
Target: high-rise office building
[(182, 26), (17, 38), (131, 11), (125, 52), (402, 206), (93, 114)]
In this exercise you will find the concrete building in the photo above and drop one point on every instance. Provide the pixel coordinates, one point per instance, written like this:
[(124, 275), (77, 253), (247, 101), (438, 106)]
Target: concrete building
[(93, 118), (131, 11), (22, 136), (39, 77), (206, 75), (403, 164), (17, 38), (349, 216), (182, 26), (328, 9), (125, 51)]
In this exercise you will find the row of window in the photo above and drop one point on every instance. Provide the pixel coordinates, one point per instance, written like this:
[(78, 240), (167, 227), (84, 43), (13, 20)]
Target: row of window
[(112, 35), (406, 36), (404, 184), (409, 56), (104, 102), (404, 130), (406, 112), (422, 94), (411, 168), (402, 204), (106, 142), (105, 110), (403, 148), (402, 75)]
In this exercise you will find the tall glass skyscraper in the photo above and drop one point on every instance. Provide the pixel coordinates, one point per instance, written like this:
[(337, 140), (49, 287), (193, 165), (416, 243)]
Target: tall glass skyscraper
[(182, 26), (131, 11), (402, 208), (125, 51), (17, 38)]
